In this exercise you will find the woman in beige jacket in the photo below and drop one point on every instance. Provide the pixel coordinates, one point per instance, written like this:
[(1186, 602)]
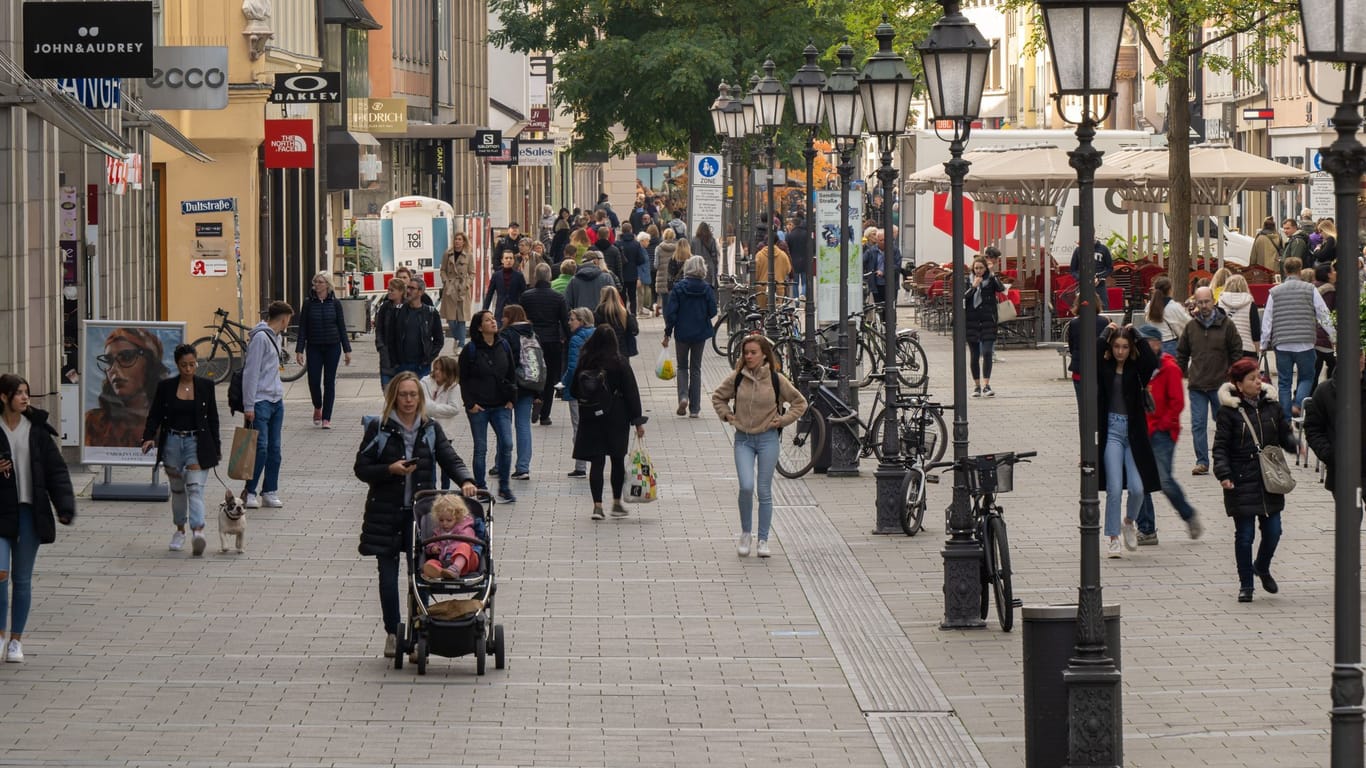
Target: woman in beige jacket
[(457, 278), (753, 402)]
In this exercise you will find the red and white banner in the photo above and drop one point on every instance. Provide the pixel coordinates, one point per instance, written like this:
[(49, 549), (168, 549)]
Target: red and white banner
[(289, 143), (116, 174)]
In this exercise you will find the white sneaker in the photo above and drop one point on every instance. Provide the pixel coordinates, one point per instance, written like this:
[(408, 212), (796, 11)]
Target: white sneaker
[(177, 541), (390, 646), (272, 500), (763, 548), (253, 501), (742, 545), (1130, 535), (1115, 550), (14, 652)]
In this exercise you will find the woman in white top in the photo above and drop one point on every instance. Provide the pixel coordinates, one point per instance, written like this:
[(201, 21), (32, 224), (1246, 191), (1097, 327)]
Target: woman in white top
[(443, 399), (1169, 316), (1238, 304)]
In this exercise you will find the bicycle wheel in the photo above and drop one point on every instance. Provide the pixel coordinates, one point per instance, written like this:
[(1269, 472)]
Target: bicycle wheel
[(800, 444), (716, 333), (290, 369), (873, 444), (735, 345), (215, 358), (789, 354), (925, 425), (868, 362), (913, 501), (912, 367), (988, 564), (999, 551)]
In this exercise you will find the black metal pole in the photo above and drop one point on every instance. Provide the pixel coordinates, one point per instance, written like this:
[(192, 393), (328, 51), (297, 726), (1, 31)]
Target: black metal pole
[(740, 213), (1095, 725), (720, 236), (962, 552), (890, 472), (753, 207), (1345, 159), (810, 205), (844, 447), (769, 154)]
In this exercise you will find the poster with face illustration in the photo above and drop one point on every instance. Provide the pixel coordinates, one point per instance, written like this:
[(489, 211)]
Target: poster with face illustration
[(122, 363)]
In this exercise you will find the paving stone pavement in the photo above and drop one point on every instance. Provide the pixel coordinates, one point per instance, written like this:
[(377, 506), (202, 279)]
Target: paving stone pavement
[(646, 641)]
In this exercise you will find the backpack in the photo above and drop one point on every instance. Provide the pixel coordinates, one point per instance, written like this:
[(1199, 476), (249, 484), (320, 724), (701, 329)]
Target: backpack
[(777, 391), (595, 393), (381, 437), (235, 404), (531, 371)]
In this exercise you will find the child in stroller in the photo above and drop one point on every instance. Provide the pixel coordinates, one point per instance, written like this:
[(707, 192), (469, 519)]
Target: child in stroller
[(450, 559)]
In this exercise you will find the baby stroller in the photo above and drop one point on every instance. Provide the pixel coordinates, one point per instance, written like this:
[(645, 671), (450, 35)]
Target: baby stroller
[(462, 623)]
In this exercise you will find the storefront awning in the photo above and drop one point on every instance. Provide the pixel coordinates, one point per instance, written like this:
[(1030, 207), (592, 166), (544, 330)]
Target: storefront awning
[(139, 116), (436, 131), (58, 108), (345, 150), (349, 13)]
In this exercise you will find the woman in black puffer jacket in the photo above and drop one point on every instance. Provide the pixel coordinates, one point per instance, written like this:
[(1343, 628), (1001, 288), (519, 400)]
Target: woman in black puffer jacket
[(1247, 402), (398, 457), (322, 343), (979, 300)]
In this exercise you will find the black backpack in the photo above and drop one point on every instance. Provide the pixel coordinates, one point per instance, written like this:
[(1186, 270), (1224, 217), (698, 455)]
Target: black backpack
[(777, 391), (595, 392), (235, 404)]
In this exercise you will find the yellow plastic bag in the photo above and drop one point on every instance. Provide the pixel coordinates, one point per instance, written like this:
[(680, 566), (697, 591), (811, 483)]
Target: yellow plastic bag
[(664, 366)]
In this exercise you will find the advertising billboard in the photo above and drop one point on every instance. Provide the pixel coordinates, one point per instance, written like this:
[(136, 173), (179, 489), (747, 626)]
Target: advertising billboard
[(123, 361)]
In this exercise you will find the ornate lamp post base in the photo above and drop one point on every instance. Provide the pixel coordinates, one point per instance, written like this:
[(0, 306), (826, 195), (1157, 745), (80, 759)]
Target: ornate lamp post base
[(1095, 717), (962, 585), (889, 479)]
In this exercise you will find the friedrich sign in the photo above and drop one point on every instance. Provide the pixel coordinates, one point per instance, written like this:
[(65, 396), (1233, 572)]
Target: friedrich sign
[(82, 39), (378, 115)]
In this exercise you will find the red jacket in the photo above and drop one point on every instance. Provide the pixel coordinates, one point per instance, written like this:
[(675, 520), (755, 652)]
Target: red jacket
[(1169, 398)]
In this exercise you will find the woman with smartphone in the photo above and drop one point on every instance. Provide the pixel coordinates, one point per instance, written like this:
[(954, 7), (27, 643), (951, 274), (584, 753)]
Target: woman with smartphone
[(33, 482), (398, 457)]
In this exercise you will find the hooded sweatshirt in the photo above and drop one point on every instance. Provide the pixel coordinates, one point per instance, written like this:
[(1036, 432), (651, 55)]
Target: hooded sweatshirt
[(261, 368), (1242, 310), (585, 290)]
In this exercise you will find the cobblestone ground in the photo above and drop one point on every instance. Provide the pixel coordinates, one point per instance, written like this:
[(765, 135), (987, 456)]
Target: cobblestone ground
[(646, 641)]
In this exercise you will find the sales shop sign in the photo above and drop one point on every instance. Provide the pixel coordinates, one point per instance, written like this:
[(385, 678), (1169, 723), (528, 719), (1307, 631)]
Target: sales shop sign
[(289, 143), (306, 88), (80, 39)]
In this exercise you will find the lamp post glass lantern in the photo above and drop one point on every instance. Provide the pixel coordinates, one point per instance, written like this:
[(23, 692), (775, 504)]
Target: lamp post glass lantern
[(954, 58), (808, 108), (1083, 41), (1337, 35), (721, 125), (885, 88), (844, 117)]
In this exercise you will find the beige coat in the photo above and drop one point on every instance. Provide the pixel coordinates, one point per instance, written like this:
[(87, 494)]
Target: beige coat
[(754, 403), (457, 282), (781, 273)]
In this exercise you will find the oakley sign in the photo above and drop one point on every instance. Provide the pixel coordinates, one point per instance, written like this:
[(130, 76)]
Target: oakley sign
[(311, 88), (79, 39), (188, 77)]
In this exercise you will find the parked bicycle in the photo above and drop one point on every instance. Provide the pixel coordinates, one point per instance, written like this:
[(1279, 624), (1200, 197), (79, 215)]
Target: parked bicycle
[(226, 351), (987, 475)]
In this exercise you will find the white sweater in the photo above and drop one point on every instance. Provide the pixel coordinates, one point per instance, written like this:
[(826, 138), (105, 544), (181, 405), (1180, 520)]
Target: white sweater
[(443, 404)]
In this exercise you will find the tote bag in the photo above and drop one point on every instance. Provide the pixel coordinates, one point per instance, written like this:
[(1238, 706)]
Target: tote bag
[(242, 456)]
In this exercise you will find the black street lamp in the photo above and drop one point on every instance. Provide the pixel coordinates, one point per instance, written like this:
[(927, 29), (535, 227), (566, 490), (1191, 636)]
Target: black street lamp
[(1337, 35), (721, 125), (748, 113), (769, 99), (885, 88), (735, 120), (844, 116), (808, 106), (955, 62), (1083, 41)]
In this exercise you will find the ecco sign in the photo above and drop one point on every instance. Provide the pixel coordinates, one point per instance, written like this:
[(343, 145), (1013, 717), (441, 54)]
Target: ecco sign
[(312, 88), (188, 77), (79, 39)]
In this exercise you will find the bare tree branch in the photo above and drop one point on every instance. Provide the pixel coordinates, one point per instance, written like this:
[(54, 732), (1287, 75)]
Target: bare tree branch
[(1143, 36)]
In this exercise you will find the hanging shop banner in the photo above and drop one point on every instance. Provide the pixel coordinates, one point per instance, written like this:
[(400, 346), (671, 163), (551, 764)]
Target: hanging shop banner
[(289, 143), (116, 174), (307, 87), (93, 92), (80, 39), (487, 143), (706, 192), (828, 224), (122, 362), (536, 153), (187, 77), (539, 120), (542, 73), (377, 115)]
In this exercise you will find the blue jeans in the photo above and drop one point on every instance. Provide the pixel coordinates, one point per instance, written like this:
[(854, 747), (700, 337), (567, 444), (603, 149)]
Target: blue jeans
[(1303, 365), (522, 416), (390, 600), (760, 449), (501, 419), (270, 419), (18, 556), (187, 485), (1244, 528), (1119, 465), (322, 360), (458, 335), (423, 370), (1204, 408), (689, 356), (1164, 449), (1169, 347)]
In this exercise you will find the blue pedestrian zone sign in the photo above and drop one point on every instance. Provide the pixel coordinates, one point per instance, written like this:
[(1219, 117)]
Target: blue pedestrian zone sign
[(707, 167)]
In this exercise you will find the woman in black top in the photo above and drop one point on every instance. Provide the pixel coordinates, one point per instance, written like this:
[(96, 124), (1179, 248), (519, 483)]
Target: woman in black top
[(183, 427), (612, 312), (488, 387), (322, 341), (980, 304), (609, 404)]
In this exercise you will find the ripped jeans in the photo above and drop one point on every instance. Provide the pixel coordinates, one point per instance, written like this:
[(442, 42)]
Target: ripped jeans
[(187, 485)]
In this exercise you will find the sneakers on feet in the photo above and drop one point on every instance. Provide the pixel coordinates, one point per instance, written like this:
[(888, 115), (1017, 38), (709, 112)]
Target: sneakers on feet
[(252, 501), (1130, 535), (762, 550), (390, 646), (976, 391), (986, 391), (327, 424), (742, 545), (199, 544), (682, 407), (521, 475), (317, 417), (577, 473), (177, 541), (1147, 539), (1114, 549), (694, 415), (505, 497), (271, 500), (14, 652), (1195, 527), (1200, 469), (618, 510), (598, 514)]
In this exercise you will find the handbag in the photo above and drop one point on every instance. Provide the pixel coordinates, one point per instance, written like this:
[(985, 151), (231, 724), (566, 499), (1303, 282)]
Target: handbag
[(1005, 310), (242, 456), (1276, 475)]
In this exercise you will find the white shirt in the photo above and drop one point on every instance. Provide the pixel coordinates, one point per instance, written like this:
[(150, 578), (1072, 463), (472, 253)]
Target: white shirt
[(19, 457)]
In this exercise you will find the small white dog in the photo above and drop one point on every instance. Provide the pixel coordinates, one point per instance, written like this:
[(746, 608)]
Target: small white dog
[(232, 521)]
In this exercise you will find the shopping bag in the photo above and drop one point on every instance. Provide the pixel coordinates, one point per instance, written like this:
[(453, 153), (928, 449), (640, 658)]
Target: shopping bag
[(642, 483), (1005, 309), (664, 366), (242, 456)]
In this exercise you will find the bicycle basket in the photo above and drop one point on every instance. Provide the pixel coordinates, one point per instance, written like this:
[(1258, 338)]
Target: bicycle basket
[(992, 473)]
